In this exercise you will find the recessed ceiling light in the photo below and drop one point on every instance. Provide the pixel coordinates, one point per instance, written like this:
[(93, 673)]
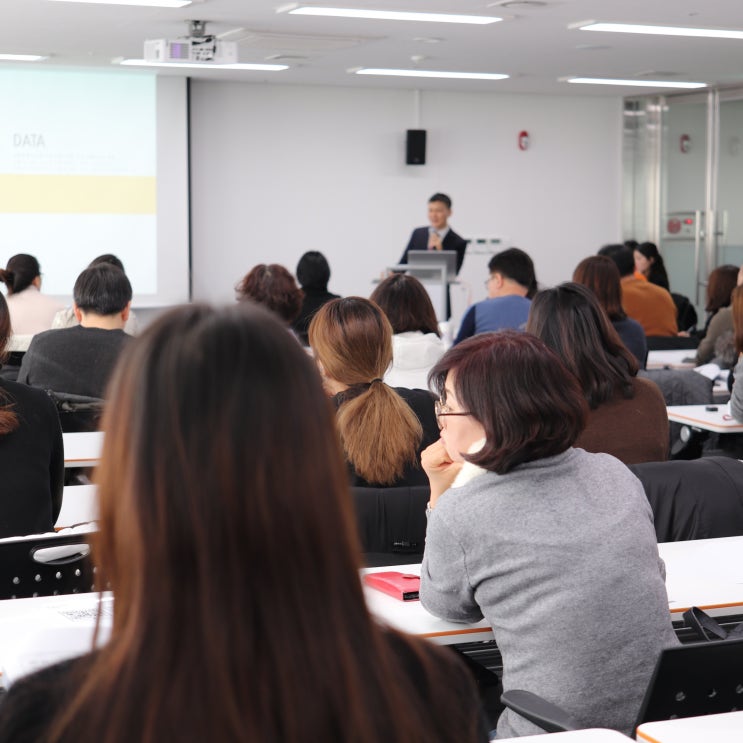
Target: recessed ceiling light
[(430, 73), (146, 3), (206, 65), (634, 28), (636, 83), (22, 57), (387, 15)]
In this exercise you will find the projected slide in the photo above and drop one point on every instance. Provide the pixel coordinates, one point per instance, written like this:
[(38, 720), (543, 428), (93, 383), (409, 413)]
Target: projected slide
[(78, 167)]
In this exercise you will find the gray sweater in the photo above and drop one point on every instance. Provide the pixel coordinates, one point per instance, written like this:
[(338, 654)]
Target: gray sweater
[(560, 557)]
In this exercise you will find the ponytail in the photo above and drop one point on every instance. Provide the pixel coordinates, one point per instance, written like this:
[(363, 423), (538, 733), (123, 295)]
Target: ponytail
[(379, 432)]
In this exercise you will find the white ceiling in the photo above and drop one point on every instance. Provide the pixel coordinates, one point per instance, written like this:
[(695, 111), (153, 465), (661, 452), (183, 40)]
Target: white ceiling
[(534, 44)]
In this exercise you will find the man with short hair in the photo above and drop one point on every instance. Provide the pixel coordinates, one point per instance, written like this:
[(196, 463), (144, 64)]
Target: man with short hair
[(510, 287), (650, 305), (438, 235), (79, 360)]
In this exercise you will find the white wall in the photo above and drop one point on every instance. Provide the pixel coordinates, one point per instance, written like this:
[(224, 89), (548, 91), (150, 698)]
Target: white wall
[(280, 170)]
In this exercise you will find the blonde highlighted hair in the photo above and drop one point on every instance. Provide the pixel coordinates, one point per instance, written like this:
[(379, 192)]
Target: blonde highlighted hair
[(352, 340)]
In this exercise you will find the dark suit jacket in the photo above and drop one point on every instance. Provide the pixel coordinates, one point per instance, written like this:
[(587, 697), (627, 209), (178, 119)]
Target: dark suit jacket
[(452, 241)]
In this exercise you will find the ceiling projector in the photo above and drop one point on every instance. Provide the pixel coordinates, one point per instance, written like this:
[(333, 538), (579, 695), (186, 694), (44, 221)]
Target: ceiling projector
[(196, 47)]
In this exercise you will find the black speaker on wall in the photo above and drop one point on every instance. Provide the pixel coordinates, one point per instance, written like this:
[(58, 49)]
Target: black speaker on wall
[(415, 147)]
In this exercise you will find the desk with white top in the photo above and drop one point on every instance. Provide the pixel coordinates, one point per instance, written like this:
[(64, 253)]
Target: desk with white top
[(82, 449), (723, 728), (707, 573), (676, 359), (698, 416), (589, 735)]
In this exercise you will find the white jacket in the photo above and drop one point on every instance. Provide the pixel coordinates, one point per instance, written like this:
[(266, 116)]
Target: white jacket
[(413, 355)]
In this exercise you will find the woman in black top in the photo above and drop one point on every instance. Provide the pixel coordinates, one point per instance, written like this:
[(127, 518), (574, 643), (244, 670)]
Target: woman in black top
[(383, 430), (31, 454)]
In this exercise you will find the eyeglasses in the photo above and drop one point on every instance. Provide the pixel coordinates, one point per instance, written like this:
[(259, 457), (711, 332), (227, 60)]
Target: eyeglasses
[(442, 409)]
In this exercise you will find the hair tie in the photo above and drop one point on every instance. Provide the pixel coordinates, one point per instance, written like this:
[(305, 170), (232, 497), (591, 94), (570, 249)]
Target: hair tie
[(375, 380)]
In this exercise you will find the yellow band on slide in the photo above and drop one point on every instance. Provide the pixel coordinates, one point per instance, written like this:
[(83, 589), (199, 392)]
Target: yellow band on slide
[(78, 194)]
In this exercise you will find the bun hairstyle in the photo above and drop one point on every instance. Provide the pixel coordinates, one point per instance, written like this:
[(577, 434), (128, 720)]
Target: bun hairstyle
[(352, 339), (20, 272)]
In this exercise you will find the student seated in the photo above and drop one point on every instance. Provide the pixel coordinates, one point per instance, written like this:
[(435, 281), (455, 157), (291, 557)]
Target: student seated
[(627, 416), (273, 287), (31, 311), (553, 546), (79, 360), (416, 340), (313, 274), (511, 286), (601, 275), (383, 430), (227, 536), (66, 318), (651, 305), (31, 454)]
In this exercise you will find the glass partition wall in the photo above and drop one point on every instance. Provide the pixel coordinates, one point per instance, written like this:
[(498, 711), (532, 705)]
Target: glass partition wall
[(683, 183)]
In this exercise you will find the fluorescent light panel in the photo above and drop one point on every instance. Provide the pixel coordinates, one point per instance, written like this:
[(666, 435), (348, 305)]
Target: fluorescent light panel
[(21, 57), (431, 73), (634, 83), (206, 65), (146, 3), (392, 15), (634, 28)]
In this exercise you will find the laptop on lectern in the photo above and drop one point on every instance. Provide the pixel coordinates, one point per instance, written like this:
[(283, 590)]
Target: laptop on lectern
[(429, 260)]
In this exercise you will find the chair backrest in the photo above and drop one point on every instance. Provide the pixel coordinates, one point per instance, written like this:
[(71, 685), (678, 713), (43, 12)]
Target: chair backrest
[(77, 413), (45, 565), (697, 499), (693, 680), (391, 523), (671, 342)]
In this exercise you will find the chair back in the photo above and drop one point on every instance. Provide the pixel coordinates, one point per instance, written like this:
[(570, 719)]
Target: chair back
[(77, 413), (693, 680), (45, 565), (696, 499), (391, 523)]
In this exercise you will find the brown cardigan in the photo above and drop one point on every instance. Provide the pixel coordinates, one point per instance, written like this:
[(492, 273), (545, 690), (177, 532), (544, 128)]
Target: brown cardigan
[(634, 430)]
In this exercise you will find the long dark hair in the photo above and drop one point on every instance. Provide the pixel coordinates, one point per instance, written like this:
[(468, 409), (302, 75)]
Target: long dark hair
[(570, 320), (720, 284), (601, 275), (657, 273), (227, 536)]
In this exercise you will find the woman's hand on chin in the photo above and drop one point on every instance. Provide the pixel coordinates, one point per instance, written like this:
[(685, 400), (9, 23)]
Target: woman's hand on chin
[(440, 468)]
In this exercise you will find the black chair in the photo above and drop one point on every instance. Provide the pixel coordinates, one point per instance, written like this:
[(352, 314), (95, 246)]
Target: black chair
[(688, 681), (391, 524), (45, 565), (686, 315), (699, 499), (77, 413), (671, 342), (682, 387)]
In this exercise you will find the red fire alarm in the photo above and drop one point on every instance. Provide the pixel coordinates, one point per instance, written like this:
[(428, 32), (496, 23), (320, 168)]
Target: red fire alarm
[(523, 140)]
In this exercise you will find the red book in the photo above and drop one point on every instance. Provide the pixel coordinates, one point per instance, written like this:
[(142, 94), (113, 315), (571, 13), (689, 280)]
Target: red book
[(402, 586)]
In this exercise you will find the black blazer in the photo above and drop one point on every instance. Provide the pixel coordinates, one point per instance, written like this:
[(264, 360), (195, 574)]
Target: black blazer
[(452, 241)]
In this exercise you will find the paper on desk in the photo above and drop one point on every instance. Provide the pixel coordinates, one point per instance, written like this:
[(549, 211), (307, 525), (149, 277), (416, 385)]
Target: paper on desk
[(711, 371), (33, 640)]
